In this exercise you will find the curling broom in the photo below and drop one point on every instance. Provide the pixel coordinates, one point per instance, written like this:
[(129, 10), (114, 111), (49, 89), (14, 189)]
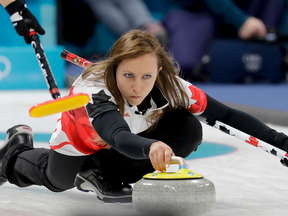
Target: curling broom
[(59, 104)]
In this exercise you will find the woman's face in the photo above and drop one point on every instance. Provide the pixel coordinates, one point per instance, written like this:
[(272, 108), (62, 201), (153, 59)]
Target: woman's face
[(135, 77)]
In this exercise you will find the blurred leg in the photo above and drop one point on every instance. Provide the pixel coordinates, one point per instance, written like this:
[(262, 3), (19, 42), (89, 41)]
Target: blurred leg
[(110, 15), (136, 12), (47, 168)]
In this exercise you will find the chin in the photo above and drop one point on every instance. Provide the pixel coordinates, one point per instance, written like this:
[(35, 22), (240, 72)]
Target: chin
[(134, 103)]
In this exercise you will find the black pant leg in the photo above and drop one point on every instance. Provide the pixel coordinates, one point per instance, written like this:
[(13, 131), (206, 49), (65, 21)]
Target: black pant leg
[(62, 169), (29, 167), (47, 168), (118, 167)]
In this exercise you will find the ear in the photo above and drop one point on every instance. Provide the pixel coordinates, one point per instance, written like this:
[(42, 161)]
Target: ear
[(159, 70)]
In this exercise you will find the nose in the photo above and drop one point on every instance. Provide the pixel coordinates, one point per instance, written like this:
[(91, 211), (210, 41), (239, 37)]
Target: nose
[(137, 86)]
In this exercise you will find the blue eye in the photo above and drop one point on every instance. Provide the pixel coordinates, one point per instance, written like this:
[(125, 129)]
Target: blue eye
[(147, 76), (128, 75)]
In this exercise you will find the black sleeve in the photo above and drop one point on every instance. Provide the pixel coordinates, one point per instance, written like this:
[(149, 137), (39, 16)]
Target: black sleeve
[(114, 130), (242, 121)]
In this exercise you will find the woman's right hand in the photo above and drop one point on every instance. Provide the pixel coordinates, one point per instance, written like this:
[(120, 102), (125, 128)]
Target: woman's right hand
[(160, 155)]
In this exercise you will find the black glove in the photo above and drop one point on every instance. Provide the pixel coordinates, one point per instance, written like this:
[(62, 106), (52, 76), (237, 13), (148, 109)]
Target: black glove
[(284, 145), (23, 19)]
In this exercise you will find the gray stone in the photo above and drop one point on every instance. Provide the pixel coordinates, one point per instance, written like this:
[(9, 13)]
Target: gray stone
[(174, 197)]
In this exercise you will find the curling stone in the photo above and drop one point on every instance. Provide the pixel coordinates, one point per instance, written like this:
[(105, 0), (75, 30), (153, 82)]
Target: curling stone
[(179, 193)]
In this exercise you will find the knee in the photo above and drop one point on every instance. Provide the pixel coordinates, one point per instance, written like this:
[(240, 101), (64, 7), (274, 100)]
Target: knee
[(191, 134), (185, 132)]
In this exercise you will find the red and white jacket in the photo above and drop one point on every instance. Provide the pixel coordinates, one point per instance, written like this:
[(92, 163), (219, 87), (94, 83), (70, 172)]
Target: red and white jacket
[(74, 134)]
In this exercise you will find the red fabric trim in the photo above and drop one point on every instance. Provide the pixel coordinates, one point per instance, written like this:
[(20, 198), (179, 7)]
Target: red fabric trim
[(201, 101), (79, 131), (60, 145)]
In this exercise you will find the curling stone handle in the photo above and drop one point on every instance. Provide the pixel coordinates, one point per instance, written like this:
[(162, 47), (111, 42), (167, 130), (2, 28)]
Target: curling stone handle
[(178, 160)]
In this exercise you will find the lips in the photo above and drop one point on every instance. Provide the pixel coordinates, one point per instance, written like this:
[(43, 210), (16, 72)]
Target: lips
[(135, 97)]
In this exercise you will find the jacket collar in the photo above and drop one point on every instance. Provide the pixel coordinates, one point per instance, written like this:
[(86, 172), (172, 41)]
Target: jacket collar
[(155, 100)]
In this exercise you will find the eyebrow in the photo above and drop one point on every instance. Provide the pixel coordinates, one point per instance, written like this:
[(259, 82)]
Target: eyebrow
[(134, 73)]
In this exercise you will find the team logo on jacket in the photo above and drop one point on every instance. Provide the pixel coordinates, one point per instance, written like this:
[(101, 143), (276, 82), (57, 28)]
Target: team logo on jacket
[(126, 115)]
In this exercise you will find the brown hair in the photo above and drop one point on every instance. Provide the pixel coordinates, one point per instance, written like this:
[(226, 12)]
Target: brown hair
[(133, 44)]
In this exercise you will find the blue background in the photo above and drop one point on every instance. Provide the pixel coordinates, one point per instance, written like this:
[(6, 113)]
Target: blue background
[(26, 72)]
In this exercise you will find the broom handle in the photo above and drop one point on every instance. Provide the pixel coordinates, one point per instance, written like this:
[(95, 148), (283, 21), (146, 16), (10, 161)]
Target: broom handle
[(44, 65), (247, 138), (68, 56)]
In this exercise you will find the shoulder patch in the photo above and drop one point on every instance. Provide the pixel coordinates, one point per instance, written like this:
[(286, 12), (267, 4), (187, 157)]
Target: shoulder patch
[(100, 104), (199, 98)]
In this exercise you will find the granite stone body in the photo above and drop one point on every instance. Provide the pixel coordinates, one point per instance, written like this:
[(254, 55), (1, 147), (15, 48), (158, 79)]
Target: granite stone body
[(187, 197)]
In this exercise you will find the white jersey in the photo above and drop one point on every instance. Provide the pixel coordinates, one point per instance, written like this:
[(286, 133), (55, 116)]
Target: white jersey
[(74, 134)]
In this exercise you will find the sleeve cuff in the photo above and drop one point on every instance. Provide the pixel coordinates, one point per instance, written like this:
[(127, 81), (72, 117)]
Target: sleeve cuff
[(15, 6)]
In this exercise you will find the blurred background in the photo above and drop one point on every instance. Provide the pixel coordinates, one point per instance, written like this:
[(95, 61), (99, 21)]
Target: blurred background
[(220, 45)]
